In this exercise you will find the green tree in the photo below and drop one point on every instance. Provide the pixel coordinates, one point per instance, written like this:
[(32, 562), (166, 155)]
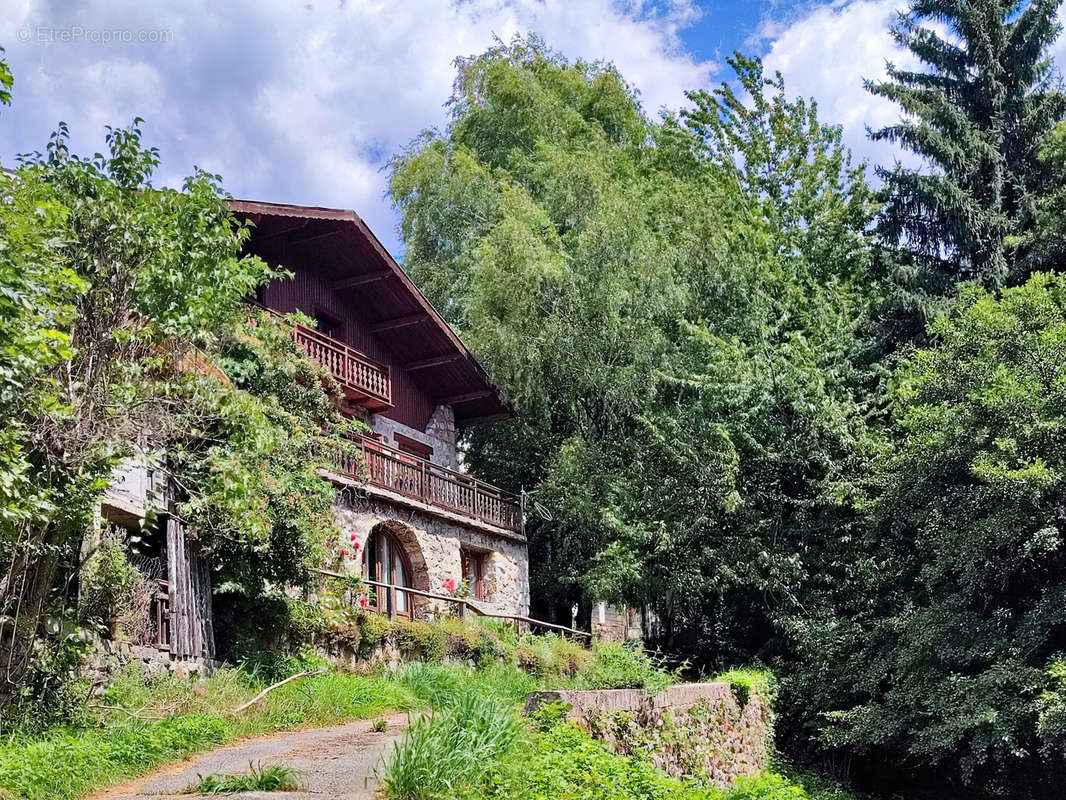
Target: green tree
[(116, 297), (976, 114), (679, 311), (537, 223), (732, 489), (6, 81), (944, 650)]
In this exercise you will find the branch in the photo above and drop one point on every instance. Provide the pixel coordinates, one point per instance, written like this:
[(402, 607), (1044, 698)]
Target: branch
[(269, 689)]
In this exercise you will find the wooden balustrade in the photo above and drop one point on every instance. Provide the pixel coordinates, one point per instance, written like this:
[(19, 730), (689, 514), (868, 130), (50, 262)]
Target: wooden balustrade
[(356, 373), (388, 468)]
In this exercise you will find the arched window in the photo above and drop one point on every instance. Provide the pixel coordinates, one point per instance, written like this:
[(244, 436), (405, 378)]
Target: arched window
[(384, 561)]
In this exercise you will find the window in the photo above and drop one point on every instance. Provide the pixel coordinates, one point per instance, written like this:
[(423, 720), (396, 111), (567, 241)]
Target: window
[(328, 324), (413, 446), (473, 563), (384, 561)]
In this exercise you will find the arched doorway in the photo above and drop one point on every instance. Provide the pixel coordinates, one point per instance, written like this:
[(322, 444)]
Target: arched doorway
[(386, 561)]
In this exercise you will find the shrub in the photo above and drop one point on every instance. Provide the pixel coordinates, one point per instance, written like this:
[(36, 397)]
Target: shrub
[(274, 778), (306, 621), (421, 639), (108, 583), (628, 666), (750, 681), (766, 786), (65, 765), (533, 658), (372, 628)]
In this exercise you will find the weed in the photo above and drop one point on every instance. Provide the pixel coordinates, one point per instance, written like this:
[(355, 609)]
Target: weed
[(380, 725), (454, 747), (274, 778)]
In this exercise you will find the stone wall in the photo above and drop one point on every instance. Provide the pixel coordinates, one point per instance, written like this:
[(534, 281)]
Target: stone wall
[(694, 729), (439, 434), (434, 546), (107, 659)]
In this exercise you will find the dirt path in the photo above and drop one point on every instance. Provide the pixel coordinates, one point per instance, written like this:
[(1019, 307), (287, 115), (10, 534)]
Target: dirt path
[(339, 762)]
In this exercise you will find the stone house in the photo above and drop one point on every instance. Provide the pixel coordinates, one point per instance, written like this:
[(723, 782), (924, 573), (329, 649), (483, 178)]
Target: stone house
[(419, 519)]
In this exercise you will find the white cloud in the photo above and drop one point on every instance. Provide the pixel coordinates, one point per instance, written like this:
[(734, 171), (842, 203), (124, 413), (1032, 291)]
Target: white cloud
[(827, 52), (300, 102)]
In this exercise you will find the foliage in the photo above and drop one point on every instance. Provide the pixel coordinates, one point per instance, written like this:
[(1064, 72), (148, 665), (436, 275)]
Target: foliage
[(123, 323), (272, 778), (6, 81), (565, 763), (680, 312), (454, 747), (114, 283), (108, 581), (976, 113), (748, 681), (951, 623), (624, 666), (1043, 245), (66, 763)]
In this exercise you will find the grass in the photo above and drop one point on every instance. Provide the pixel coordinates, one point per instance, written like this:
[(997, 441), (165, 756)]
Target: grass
[(143, 722), (565, 763), (274, 778), (456, 745), (747, 681), (67, 763)]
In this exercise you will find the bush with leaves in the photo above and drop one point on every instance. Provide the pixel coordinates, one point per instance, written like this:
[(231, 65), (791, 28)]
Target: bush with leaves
[(942, 650)]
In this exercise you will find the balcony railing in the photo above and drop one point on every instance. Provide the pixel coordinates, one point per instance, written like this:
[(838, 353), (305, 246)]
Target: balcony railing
[(391, 469), (363, 380)]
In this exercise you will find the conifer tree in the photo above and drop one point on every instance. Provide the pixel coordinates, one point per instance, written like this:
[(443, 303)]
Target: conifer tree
[(976, 115)]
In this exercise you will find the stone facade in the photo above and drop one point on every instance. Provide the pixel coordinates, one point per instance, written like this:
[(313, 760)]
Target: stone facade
[(440, 434), (434, 544)]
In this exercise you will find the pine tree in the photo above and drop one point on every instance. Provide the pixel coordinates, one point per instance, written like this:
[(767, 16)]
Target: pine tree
[(976, 115)]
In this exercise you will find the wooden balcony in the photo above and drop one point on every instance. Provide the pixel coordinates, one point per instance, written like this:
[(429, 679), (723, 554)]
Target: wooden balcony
[(364, 382), (385, 467)]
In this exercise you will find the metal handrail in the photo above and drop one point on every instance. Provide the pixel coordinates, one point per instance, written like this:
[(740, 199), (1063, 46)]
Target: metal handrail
[(463, 602)]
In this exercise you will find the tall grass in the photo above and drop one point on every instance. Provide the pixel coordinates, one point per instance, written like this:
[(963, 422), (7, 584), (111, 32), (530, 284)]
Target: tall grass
[(455, 746), (273, 778)]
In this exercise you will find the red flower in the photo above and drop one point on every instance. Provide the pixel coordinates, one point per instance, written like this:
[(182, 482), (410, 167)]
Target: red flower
[(353, 537), (449, 585), (362, 600), (329, 544), (356, 545)]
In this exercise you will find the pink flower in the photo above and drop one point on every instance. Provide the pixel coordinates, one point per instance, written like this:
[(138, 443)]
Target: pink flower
[(356, 545), (329, 544), (353, 537), (449, 585)]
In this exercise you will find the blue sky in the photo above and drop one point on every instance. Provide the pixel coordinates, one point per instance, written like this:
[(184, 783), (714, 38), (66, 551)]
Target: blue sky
[(304, 102)]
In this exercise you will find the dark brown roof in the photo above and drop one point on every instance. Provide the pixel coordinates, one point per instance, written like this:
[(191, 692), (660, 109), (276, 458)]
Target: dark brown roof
[(348, 253)]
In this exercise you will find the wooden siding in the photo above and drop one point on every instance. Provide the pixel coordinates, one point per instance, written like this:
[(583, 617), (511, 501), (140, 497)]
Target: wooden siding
[(192, 632), (309, 292)]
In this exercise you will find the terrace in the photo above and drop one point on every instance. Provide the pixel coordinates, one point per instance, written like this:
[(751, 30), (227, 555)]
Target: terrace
[(362, 380), (379, 465)]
